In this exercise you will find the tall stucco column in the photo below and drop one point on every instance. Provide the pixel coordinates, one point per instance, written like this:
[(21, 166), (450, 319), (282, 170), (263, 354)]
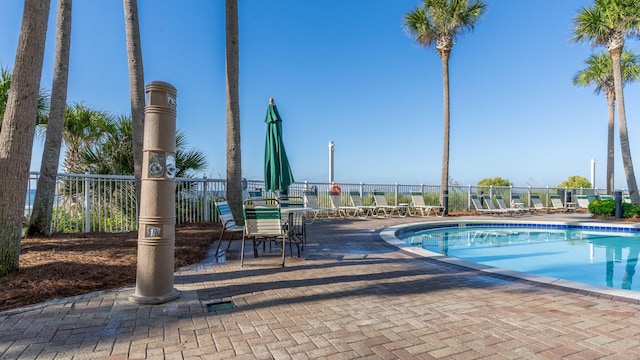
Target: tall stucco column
[(157, 222)]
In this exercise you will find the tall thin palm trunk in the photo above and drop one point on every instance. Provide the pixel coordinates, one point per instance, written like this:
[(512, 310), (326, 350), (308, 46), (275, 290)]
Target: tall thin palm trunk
[(234, 164), (18, 127), (611, 102), (136, 86), (40, 221), (444, 179), (625, 148)]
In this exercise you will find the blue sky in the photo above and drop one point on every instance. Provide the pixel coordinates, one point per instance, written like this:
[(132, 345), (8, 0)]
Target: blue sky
[(345, 71)]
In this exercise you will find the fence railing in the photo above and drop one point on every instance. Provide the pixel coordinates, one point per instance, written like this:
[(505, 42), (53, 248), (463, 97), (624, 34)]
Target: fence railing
[(87, 202)]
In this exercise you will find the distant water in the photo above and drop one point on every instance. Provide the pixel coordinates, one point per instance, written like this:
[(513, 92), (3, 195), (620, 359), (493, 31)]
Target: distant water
[(31, 194)]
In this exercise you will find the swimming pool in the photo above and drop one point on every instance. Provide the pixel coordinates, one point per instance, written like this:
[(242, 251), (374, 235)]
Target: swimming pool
[(588, 256)]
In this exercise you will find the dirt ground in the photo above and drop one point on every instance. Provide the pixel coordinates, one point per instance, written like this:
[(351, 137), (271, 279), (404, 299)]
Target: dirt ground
[(72, 264)]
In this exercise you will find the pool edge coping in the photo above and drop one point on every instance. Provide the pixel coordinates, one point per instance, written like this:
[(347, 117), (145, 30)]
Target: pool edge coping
[(389, 235)]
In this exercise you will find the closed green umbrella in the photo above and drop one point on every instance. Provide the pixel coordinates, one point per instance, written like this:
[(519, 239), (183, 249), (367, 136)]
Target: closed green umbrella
[(277, 172)]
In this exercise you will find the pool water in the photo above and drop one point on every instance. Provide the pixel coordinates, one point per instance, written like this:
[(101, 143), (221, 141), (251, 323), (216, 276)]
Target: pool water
[(593, 257)]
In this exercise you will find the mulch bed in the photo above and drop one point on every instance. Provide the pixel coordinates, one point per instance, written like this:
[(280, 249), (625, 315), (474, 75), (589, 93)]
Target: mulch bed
[(73, 264)]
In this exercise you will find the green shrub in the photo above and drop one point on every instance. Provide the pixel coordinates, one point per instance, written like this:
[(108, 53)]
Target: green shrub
[(630, 210), (604, 208)]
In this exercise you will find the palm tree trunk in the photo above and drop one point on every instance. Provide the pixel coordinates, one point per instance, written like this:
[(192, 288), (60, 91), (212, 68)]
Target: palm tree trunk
[(18, 127), (610, 143), (622, 125), (40, 221), (444, 179), (136, 87), (234, 165)]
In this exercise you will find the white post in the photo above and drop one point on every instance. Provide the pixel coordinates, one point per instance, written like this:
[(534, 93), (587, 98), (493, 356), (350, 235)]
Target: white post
[(593, 173), (331, 150)]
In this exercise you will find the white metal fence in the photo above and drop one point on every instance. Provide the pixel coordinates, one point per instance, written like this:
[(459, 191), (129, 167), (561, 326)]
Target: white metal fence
[(86, 202)]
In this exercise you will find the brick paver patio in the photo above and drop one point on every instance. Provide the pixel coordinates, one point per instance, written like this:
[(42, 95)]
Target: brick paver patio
[(350, 295)]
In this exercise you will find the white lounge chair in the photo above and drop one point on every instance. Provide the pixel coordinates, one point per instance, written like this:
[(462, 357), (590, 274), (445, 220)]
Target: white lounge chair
[(418, 206), (340, 210), (583, 201), (311, 201), (518, 210), (380, 201), (477, 205), (537, 203), (557, 204), (491, 207), (363, 210)]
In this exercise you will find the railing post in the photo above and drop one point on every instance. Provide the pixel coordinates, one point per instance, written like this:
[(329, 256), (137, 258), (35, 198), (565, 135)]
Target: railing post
[(547, 200), (469, 198), (87, 204), (396, 195), (205, 200)]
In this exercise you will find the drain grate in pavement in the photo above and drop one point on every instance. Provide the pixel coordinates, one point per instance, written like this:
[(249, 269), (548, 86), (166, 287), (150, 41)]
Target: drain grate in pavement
[(222, 305)]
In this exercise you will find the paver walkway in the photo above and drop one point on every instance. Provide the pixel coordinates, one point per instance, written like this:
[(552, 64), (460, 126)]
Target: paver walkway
[(350, 295)]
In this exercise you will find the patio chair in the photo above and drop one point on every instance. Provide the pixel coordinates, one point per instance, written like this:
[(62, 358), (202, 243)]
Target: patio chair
[(363, 211), (229, 225), (294, 222), (263, 223), (419, 206), (315, 210), (380, 201), (537, 203)]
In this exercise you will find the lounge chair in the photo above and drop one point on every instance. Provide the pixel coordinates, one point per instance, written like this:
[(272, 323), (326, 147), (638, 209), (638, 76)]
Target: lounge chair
[(497, 211), (537, 203), (340, 210), (363, 210), (381, 204), (229, 225), (583, 201), (518, 210), (606, 197), (477, 205), (263, 223), (315, 210), (557, 204), (418, 206)]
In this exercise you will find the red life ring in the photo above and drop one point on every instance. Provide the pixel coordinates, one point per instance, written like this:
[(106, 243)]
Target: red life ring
[(335, 190)]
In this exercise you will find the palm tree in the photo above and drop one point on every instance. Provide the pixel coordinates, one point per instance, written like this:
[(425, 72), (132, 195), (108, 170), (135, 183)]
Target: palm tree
[(84, 128), (113, 153), (136, 85), (599, 73), (437, 23), (40, 220), (234, 161), (16, 137), (607, 23), (42, 114)]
